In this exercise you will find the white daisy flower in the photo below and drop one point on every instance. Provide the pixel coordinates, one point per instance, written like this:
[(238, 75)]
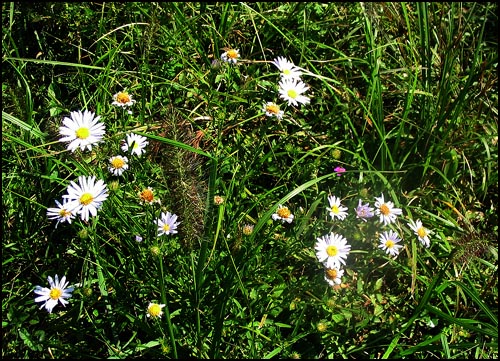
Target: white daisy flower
[(123, 99), (62, 212), (155, 310), (273, 109), (167, 224), (421, 232), (288, 69), (118, 165), (386, 210), (389, 243), (336, 209), (332, 250), (333, 276), (283, 214), (231, 56), (87, 196), (291, 90), (82, 130), (136, 143), (56, 293)]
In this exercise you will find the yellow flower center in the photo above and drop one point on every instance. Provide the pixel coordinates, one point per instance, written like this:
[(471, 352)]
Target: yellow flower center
[(123, 98), (83, 133), (247, 229), (332, 251), (86, 199), (389, 243), (335, 209), (385, 210), (292, 94), (273, 108), (64, 213), (286, 71), (321, 326), (147, 195), (55, 293), (284, 212), (154, 310), (421, 232), (166, 227), (331, 273), (117, 163), (233, 54)]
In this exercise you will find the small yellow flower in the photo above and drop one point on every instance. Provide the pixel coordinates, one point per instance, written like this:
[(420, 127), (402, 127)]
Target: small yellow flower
[(165, 347), (231, 56), (117, 165), (321, 326), (248, 229), (283, 214), (146, 196), (272, 109), (333, 276), (155, 310), (123, 99)]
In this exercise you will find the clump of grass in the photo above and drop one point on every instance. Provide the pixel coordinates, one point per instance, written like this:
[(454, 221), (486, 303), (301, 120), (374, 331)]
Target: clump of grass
[(189, 190)]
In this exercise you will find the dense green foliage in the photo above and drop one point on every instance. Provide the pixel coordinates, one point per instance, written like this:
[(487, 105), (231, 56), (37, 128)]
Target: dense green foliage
[(403, 96)]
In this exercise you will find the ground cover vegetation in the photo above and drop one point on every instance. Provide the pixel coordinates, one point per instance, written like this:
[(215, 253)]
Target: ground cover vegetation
[(249, 180)]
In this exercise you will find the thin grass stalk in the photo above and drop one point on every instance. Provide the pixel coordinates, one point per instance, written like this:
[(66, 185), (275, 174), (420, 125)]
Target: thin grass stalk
[(374, 92), (167, 312), (425, 49), (427, 115), (29, 100), (100, 263), (199, 339)]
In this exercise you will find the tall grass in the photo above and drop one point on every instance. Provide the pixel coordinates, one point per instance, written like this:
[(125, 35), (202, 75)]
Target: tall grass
[(402, 96)]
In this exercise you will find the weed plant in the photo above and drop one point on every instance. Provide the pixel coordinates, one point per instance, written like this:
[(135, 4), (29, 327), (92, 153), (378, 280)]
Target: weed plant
[(215, 209)]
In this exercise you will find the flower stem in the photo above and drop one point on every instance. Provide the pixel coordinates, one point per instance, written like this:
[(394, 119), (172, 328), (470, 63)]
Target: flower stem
[(167, 312)]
